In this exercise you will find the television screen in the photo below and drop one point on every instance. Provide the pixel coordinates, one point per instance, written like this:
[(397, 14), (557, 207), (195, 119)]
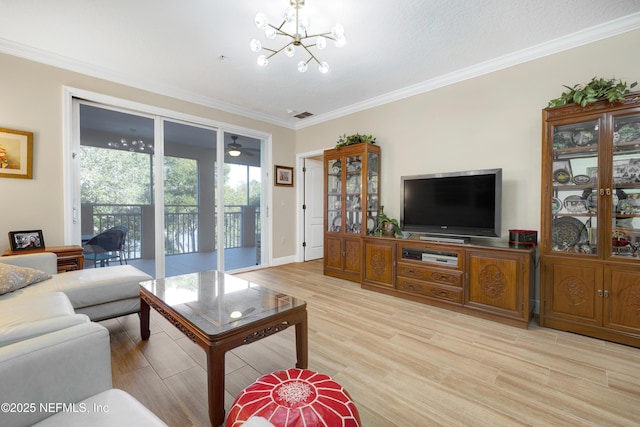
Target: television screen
[(458, 204)]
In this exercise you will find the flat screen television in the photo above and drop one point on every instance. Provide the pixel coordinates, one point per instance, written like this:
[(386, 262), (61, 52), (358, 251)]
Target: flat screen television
[(467, 204)]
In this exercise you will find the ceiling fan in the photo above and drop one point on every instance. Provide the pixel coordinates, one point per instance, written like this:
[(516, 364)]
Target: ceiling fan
[(234, 149)]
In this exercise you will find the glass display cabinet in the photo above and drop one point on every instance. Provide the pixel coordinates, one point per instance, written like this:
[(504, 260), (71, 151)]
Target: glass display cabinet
[(590, 245), (352, 200)]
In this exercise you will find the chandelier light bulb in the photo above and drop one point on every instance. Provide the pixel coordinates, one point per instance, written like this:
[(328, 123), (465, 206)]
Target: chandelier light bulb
[(323, 67), (263, 61), (255, 45), (270, 33), (261, 21), (340, 41), (321, 42), (290, 50), (303, 24), (302, 66), (289, 14), (337, 31)]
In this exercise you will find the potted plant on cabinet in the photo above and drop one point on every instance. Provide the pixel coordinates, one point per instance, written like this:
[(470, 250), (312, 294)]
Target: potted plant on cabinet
[(612, 90), (356, 138), (388, 227)]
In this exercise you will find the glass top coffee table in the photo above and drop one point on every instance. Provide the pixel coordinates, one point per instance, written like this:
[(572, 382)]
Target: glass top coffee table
[(220, 312)]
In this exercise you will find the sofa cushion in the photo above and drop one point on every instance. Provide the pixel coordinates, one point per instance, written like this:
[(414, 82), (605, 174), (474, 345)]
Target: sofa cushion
[(35, 315), (110, 408), (14, 277), (93, 286)]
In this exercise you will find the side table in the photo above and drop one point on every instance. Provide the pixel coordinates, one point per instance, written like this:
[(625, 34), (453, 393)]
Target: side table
[(69, 257)]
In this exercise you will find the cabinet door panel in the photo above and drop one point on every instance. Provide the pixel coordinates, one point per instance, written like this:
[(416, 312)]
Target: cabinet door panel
[(333, 251), (378, 263), (352, 255), (494, 281), (572, 292), (622, 301)]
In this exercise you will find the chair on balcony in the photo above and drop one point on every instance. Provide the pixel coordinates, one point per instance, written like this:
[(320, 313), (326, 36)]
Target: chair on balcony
[(106, 246)]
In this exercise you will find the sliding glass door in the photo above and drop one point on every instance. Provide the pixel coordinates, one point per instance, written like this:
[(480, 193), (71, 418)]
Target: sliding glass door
[(189, 198), (116, 159), (243, 205), (159, 179)]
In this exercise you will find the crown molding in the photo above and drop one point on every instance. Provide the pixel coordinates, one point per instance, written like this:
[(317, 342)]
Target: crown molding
[(580, 38), (577, 39), (41, 56)]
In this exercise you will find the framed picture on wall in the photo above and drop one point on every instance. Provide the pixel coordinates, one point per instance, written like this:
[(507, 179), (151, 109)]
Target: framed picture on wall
[(26, 240), (16, 154), (284, 176)]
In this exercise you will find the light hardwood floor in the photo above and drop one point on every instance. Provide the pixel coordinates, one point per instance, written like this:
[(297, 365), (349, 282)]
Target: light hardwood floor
[(405, 364)]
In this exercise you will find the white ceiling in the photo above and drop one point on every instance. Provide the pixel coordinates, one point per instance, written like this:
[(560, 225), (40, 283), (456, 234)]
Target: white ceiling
[(394, 48)]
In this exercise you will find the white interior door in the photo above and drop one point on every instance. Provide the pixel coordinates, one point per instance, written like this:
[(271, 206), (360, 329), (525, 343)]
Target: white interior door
[(314, 212)]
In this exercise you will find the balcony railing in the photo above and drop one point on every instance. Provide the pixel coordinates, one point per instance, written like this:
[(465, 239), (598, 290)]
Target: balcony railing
[(182, 227)]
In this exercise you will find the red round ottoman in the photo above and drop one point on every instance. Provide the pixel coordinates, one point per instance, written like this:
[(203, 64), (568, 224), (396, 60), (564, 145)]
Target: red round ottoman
[(295, 398)]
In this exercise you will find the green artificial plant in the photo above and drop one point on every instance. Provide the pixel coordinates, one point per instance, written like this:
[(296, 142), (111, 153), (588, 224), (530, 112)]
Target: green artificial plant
[(382, 219), (356, 138), (597, 89)]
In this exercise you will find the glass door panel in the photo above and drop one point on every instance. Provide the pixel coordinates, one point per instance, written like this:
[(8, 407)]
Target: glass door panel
[(334, 195), (625, 236), (116, 183), (243, 205), (373, 204), (575, 187), (189, 194), (353, 192)]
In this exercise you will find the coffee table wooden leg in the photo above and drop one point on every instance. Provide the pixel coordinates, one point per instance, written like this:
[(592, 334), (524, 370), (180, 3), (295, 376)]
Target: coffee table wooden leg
[(215, 382), (144, 319), (302, 347)]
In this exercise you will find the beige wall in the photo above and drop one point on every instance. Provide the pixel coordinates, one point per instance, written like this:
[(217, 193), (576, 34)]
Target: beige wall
[(493, 121), (490, 121), (31, 100)]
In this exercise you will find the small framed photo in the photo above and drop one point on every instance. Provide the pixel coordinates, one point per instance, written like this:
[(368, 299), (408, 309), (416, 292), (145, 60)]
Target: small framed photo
[(284, 176), (26, 240), (16, 154)]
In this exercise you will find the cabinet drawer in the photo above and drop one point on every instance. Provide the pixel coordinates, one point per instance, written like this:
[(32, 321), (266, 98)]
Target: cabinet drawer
[(433, 291), (442, 277)]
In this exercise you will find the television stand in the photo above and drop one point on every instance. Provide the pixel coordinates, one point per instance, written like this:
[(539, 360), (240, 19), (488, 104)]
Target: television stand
[(445, 239), (491, 279)]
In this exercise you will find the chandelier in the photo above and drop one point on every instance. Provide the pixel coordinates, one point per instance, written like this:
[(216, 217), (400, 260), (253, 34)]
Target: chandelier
[(299, 37)]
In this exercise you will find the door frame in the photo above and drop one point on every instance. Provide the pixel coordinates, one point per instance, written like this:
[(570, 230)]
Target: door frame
[(71, 143), (300, 199)]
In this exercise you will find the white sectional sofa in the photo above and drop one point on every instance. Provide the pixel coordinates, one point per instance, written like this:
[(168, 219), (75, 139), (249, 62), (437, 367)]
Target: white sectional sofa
[(100, 293), (63, 378), (55, 364)]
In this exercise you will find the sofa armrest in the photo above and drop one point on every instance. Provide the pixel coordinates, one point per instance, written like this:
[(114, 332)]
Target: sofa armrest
[(44, 261), (61, 367)]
